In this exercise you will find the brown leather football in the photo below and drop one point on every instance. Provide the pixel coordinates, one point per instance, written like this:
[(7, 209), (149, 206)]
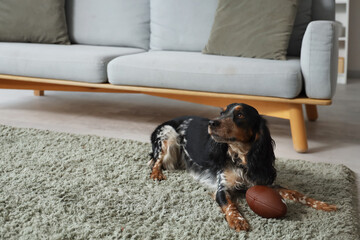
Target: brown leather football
[(266, 202)]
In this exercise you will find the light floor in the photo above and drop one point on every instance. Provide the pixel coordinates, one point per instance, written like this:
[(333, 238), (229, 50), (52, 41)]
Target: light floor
[(333, 138)]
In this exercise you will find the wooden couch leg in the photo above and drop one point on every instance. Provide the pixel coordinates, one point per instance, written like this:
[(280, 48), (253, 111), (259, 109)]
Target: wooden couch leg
[(39, 93), (311, 112), (298, 129)]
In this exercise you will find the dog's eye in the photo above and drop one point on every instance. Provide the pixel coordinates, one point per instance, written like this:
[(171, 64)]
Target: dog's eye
[(240, 115)]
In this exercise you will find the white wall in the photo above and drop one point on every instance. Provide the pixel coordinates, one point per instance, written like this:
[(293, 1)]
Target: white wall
[(354, 40)]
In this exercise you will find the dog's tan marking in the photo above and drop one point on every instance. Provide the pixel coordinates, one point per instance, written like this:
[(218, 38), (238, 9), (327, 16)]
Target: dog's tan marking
[(233, 217), (231, 178), (156, 173), (301, 198), (242, 134), (238, 107), (234, 179), (238, 150)]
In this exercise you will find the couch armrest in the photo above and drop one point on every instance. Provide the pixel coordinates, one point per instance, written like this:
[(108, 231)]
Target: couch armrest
[(319, 59)]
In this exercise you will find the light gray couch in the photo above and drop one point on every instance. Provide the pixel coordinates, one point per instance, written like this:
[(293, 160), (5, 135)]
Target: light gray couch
[(154, 47)]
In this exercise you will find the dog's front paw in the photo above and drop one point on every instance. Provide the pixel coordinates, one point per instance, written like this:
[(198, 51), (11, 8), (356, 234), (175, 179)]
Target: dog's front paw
[(157, 175), (237, 222)]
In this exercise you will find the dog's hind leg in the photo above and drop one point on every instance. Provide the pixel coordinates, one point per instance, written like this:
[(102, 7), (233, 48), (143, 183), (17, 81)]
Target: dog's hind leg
[(301, 198), (166, 151)]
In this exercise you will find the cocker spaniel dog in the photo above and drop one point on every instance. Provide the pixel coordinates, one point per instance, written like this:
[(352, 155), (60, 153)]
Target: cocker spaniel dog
[(230, 153)]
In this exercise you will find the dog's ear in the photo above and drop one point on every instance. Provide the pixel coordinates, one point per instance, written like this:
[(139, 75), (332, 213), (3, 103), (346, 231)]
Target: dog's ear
[(261, 158)]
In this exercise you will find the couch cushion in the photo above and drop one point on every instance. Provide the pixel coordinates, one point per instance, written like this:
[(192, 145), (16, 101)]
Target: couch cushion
[(196, 71), (319, 59), (239, 28), (36, 21), (323, 10), (303, 18), (181, 25), (124, 23), (68, 62)]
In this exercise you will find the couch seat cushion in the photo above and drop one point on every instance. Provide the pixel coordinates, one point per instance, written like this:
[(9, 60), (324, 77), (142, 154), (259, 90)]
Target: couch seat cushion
[(196, 71), (68, 62)]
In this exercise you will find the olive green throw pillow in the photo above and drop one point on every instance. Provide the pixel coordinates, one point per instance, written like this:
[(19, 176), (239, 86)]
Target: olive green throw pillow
[(252, 28), (35, 21)]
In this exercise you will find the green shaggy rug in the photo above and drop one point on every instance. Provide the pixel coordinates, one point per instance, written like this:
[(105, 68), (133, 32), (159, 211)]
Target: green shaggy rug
[(64, 186)]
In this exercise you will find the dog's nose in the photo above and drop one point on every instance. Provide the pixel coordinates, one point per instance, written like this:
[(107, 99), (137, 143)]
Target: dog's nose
[(214, 123)]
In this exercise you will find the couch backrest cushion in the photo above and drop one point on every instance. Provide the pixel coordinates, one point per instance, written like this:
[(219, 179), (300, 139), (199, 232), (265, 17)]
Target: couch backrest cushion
[(303, 18), (35, 21), (323, 10), (252, 28), (182, 25), (123, 23)]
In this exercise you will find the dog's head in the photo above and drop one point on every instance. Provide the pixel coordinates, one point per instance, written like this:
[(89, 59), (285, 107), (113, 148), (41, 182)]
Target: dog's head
[(237, 123), (241, 123)]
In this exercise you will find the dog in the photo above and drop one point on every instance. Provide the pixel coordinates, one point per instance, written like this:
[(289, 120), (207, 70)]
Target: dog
[(230, 154)]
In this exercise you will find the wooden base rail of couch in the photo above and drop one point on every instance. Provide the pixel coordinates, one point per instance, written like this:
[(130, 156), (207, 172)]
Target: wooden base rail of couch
[(291, 109)]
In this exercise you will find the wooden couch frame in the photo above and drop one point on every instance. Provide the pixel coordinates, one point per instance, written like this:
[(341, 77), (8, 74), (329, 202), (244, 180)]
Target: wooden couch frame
[(291, 109)]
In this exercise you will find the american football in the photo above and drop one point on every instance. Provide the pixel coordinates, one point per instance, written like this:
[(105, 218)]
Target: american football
[(266, 202)]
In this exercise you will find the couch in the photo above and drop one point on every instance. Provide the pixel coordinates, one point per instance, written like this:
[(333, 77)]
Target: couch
[(154, 47)]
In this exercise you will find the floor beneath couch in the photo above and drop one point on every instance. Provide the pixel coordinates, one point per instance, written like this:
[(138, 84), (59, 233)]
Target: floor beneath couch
[(333, 138)]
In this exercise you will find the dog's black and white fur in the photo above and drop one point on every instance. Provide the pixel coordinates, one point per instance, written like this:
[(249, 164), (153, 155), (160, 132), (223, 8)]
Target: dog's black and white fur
[(230, 153)]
